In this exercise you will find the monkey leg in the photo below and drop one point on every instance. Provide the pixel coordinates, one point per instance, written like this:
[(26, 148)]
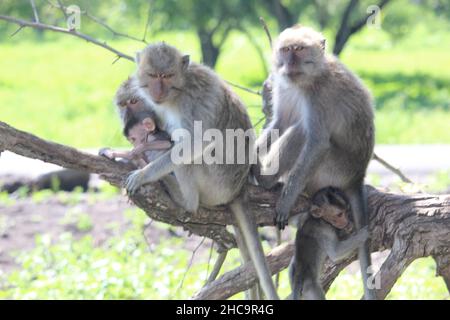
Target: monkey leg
[(170, 184), (249, 232), (312, 290), (189, 193), (358, 206), (281, 156), (253, 292)]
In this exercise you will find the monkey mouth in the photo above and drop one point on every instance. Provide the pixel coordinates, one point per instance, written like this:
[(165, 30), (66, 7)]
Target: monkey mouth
[(294, 73)]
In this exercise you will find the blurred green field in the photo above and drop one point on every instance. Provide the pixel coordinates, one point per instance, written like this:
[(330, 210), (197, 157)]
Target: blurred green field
[(62, 88)]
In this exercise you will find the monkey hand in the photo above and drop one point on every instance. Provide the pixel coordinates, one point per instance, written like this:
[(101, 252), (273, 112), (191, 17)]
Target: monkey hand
[(135, 180), (107, 153), (281, 215)]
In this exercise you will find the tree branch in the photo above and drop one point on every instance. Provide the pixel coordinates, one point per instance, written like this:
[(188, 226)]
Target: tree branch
[(412, 226), (41, 26), (35, 13), (100, 22), (346, 30)]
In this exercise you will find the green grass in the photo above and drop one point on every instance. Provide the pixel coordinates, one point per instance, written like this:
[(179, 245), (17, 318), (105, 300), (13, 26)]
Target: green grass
[(62, 89)]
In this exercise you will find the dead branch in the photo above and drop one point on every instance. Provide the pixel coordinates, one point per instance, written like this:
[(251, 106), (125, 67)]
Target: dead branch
[(41, 26), (411, 226), (390, 167)]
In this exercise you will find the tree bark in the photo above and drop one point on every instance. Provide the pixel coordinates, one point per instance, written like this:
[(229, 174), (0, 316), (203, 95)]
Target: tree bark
[(412, 226), (210, 53)]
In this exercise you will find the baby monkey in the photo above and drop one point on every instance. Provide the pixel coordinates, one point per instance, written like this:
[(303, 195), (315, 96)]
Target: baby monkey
[(318, 239), (148, 141)]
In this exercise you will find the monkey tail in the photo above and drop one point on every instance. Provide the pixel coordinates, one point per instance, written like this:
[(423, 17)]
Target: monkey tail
[(294, 279), (249, 231), (358, 202)]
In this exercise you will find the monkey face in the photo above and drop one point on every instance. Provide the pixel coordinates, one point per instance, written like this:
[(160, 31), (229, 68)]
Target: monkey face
[(299, 52), (161, 70), (337, 217), (139, 133)]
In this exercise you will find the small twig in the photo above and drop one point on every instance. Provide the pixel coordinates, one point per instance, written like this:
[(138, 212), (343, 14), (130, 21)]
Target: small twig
[(190, 262), (217, 266), (147, 24), (61, 7), (96, 20), (391, 168), (259, 121), (17, 31), (110, 29), (146, 226), (116, 59), (243, 88), (35, 13), (266, 29)]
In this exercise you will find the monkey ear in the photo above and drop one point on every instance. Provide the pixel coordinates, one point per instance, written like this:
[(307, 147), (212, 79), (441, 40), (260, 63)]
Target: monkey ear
[(185, 61), (149, 124), (323, 43), (137, 59), (315, 211)]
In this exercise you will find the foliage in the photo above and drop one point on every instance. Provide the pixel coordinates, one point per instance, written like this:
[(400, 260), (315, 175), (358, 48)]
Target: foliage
[(66, 86)]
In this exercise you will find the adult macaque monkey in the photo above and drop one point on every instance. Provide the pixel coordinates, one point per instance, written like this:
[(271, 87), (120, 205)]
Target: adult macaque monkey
[(317, 238), (128, 101), (184, 92), (324, 115)]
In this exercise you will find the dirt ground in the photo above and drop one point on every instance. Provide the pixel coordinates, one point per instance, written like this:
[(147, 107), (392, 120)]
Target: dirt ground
[(24, 219)]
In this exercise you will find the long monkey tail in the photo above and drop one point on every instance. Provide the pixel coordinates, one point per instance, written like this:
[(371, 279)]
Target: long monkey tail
[(249, 231), (358, 201)]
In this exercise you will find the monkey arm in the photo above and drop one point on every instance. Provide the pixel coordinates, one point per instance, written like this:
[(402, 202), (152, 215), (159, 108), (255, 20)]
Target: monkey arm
[(339, 250), (113, 154), (310, 158), (164, 165), (150, 146)]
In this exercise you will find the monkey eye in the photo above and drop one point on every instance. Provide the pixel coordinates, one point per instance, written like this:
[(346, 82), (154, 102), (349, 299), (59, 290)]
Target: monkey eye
[(285, 49), (340, 214), (152, 75), (133, 101)]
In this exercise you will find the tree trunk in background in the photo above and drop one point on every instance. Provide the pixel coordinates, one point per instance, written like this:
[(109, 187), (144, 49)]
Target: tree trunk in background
[(210, 52), (284, 18)]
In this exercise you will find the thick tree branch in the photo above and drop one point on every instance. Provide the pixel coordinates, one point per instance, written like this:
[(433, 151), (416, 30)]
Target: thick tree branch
[(412, 226)]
